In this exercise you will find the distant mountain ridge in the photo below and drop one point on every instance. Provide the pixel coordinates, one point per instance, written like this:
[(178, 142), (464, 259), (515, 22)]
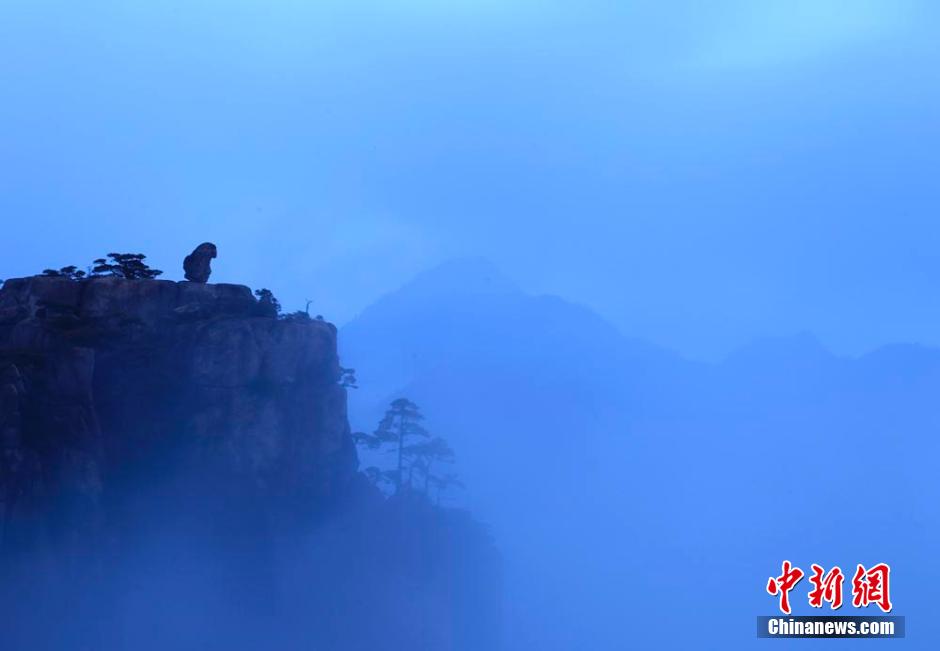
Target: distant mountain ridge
[(466, 313), (595, 456)]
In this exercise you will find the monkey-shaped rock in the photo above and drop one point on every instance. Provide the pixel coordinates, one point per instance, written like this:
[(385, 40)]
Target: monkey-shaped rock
[(196, 264)]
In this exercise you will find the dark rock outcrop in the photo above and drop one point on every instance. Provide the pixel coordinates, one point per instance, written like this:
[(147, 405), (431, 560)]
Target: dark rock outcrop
[(176, 458), (196, 265), (107, 378)]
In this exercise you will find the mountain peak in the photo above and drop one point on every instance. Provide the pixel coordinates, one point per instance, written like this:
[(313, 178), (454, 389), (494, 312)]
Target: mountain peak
[(472, 275)]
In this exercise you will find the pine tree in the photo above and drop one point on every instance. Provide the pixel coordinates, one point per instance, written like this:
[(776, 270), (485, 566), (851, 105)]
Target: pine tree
[(418, 454), (125, 265), (400, 425)]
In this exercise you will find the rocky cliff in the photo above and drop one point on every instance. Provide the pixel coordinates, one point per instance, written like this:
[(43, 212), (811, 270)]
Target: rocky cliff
[(176, 471), (109, 381)]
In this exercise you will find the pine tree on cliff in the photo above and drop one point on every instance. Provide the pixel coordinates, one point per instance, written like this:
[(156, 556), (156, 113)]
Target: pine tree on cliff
[(71, 272), (125, 265), (425, 455), (400, 425), (267, 299), (418, 453)]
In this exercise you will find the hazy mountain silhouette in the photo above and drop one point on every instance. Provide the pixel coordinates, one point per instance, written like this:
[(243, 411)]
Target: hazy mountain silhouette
[(466, 316), (650, 467)]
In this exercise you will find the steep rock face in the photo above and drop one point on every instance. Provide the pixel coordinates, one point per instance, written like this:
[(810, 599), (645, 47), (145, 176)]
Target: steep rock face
[(177, 472), (110, 387)]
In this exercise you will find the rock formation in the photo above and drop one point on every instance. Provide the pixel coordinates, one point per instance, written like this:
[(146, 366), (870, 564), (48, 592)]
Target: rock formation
[(109, 373), (196, 265), (166, 443)]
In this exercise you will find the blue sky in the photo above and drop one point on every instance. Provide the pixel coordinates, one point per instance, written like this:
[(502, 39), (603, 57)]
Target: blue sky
[(698, 173)]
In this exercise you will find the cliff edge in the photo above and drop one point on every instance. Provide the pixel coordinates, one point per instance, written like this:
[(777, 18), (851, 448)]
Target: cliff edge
[(108, 382), (177, 471)]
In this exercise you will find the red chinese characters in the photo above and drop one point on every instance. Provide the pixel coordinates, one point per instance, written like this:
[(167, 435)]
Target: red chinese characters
[(826, 588), (782, 584), (872, 587)]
